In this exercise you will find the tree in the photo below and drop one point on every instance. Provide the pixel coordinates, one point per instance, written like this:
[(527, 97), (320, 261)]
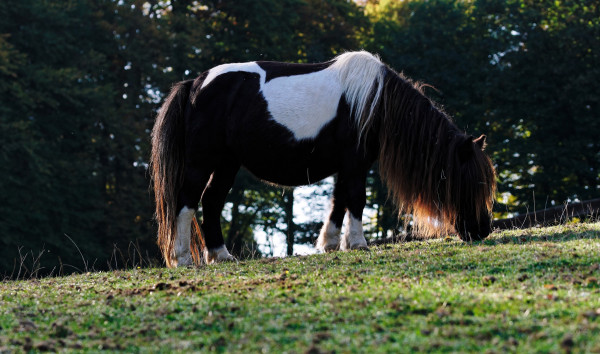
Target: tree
[(546, 92), (49, 177), (521, 71), (75, 125)]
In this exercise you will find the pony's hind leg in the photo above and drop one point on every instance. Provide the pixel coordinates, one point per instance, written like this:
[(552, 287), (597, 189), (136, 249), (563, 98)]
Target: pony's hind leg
[(213, 200), (183, 253), (195, 180)]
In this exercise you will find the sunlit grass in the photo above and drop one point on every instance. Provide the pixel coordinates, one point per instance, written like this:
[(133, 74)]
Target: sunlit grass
[(526, 291)]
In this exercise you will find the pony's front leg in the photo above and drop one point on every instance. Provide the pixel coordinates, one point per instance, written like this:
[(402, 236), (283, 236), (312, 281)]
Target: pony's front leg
[(348, 194), (354, 237), (329, 237), (213, 200)]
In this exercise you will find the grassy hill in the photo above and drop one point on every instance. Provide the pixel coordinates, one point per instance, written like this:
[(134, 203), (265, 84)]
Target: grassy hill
[(529, 290)]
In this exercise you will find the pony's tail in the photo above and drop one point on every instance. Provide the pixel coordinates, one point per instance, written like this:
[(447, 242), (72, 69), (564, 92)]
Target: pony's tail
[(166, 167)]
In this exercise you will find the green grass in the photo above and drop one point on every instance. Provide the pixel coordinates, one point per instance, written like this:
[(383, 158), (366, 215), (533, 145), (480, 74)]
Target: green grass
[(535, 290)]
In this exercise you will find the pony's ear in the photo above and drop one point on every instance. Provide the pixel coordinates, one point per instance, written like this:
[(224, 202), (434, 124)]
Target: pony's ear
[(465, 149), (481, 142)]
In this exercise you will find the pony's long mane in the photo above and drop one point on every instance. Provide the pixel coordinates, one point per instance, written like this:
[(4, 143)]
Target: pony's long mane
[(419, 155), (420, 161)]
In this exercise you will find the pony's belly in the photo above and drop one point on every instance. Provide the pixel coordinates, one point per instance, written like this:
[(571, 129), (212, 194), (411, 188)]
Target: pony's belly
[(293, 169), (271, 152)]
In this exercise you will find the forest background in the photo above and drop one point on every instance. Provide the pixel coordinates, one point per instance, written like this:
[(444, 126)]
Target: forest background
[(81, 82)]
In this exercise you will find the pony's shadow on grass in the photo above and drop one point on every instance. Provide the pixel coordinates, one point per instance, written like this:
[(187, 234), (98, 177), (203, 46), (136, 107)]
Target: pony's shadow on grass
[(525, 236)]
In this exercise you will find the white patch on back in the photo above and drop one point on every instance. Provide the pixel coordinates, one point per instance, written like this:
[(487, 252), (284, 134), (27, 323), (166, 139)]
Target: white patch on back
[(304, 103), (250, 67)]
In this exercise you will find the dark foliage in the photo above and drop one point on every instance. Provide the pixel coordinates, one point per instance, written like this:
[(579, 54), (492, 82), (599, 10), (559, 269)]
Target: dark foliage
[(80, 82)]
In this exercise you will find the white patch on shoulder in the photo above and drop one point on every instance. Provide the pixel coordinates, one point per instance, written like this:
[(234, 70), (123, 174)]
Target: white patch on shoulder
[(250, 67), (183, 254), (304, 103)]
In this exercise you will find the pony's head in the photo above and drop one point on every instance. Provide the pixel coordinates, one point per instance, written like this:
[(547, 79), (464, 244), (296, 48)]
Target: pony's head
[(471, 188), (432, 169)]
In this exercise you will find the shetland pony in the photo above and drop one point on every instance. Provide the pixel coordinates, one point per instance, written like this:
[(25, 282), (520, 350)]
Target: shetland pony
[(295, 124)]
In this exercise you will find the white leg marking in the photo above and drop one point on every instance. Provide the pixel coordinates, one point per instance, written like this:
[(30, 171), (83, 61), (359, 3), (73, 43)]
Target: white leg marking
[(354, 237), (216, 255), (329, 238), (183, 254)]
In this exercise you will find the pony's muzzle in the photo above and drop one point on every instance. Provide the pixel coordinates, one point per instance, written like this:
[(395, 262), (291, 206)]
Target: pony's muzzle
[(470, 230)]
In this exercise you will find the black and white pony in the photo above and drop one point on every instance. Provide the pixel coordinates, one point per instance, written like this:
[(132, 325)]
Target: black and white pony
[(295, 124)]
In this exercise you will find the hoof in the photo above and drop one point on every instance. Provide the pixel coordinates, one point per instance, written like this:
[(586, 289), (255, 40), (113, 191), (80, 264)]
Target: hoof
[(357, 246), (330, 248), (329, 238), (360, 247), (185, 262), (354, 238), (228, 258), (218, 255), (327, 247)]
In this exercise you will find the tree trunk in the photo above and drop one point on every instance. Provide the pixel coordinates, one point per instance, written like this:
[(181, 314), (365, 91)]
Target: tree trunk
[(289, 219)]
